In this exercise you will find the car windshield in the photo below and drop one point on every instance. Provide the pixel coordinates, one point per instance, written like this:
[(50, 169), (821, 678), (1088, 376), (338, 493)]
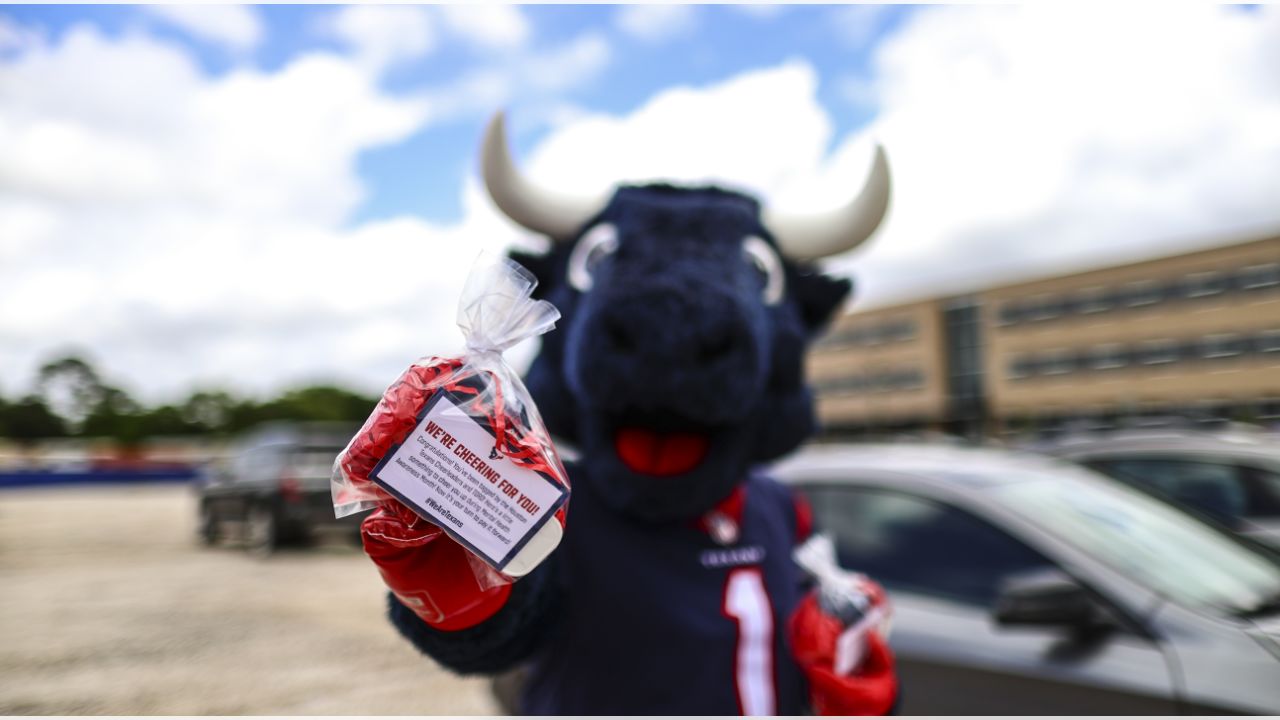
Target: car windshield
[(1161, 547)]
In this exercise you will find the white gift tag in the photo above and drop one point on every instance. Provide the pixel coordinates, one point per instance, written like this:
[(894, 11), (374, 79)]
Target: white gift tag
[(450, 472)]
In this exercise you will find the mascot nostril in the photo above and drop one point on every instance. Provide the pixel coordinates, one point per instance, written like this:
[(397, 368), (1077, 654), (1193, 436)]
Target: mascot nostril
[(619, 336), (717, 346), (676, 369)]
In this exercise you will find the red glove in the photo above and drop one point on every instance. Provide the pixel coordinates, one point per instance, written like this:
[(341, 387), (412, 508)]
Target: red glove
[(873, 686), (428, 571)]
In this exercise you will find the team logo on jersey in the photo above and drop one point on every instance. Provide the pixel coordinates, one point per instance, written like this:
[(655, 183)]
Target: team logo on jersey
[(722, 528)]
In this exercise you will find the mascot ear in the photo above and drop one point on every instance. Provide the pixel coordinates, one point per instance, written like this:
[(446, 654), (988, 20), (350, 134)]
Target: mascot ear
[(819, 296), (541, 267)]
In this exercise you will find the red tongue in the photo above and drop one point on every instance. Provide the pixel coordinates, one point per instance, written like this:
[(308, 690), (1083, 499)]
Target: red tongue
[(654, 453)]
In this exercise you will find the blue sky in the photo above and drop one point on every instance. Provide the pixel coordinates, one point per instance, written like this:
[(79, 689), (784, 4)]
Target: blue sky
[(724, 42), (255, 197)]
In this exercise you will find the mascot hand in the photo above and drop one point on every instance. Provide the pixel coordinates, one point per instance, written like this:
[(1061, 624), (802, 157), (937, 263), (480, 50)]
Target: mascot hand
[(872, 687), (429, 572)]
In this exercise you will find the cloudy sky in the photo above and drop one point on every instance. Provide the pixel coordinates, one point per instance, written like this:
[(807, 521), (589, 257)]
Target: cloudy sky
[(257, 197)]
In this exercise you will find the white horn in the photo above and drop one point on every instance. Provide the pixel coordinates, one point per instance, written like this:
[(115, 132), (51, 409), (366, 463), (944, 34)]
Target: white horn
[(548, 213), (810, 237)]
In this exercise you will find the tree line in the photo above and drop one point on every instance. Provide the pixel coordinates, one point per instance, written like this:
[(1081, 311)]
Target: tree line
[(71, 399)]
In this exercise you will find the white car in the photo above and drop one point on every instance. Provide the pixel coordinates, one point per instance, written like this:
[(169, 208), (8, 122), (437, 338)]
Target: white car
[(1025, 585)]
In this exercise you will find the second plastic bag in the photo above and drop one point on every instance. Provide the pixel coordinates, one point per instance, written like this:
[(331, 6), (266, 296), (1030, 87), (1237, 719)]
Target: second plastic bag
[(847, 597)]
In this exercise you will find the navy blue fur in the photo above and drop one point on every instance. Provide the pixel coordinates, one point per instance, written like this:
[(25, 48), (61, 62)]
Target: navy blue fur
[(674, 336), (508, 638)]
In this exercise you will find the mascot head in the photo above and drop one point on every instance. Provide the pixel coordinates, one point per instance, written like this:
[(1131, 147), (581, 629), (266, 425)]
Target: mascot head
[(678, 362)]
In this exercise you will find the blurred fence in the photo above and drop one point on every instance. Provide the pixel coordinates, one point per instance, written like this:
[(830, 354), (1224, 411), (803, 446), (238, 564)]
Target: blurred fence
[(97, 461), (31, 478)]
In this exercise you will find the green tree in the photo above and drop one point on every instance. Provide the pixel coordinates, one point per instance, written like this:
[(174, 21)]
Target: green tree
[(325, 402), (319, 402), (70, 387), (72, 398), (29, 419), (116, 415), (167, 420), (209, 410)]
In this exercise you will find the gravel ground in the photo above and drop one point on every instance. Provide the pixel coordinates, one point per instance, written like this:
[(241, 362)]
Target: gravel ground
[(109, 606)]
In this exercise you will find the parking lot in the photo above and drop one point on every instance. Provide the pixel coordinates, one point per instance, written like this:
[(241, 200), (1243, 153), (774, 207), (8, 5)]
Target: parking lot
[(109, 606)]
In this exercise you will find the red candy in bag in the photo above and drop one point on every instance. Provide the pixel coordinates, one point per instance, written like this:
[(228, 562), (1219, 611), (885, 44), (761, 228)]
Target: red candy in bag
[(459, 442)]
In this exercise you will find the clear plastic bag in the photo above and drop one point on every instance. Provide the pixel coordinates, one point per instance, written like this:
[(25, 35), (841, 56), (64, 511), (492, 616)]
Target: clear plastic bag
[(849, 597), (459, 441)]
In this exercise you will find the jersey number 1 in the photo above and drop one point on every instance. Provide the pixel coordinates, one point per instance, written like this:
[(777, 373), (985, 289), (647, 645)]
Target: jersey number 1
[(747, 602)]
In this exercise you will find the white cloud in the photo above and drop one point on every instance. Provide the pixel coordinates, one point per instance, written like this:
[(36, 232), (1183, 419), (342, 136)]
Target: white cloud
[(656, 23), (235, 26), (1032, 139), (524, 78), (14, 37), (191, 230), (1013, 153), (500, 27), (760, 131), (382, 36)]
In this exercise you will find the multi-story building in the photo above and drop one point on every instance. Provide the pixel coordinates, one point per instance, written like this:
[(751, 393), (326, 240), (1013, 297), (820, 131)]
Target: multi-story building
[(1195, 334), (882, 368)]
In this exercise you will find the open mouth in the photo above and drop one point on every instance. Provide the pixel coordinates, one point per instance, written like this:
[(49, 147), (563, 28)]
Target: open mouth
[(661, 447), (650, 452)]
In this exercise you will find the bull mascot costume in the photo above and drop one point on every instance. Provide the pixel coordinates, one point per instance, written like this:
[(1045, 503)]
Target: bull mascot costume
[(676, 370)]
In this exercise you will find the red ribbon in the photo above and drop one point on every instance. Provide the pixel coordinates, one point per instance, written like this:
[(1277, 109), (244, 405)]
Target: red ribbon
[(397, 414)]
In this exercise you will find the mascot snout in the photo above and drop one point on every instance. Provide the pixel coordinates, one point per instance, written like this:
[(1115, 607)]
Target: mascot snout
[(698, 357)]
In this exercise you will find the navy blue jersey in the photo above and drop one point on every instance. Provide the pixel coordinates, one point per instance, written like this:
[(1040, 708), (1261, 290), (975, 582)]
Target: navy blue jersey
[(666, 620)]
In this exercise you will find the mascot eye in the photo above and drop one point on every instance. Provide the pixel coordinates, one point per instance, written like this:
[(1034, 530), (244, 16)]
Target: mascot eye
[(598, 243), (767, 262)]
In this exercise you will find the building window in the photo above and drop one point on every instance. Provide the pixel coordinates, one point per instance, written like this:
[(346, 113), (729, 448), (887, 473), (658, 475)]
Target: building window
[(1158, 352), (842, 338), (1020, 367), (1057, 362), (1268, 341), (1044, 307), (875, 382), (1222, 345), (1010, 313), (1108, 357), (1258, 277), (901, 330), (1142, 293), (896, 331), (841, 386), (1094, 300), (1204, 284), (910, 380)]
